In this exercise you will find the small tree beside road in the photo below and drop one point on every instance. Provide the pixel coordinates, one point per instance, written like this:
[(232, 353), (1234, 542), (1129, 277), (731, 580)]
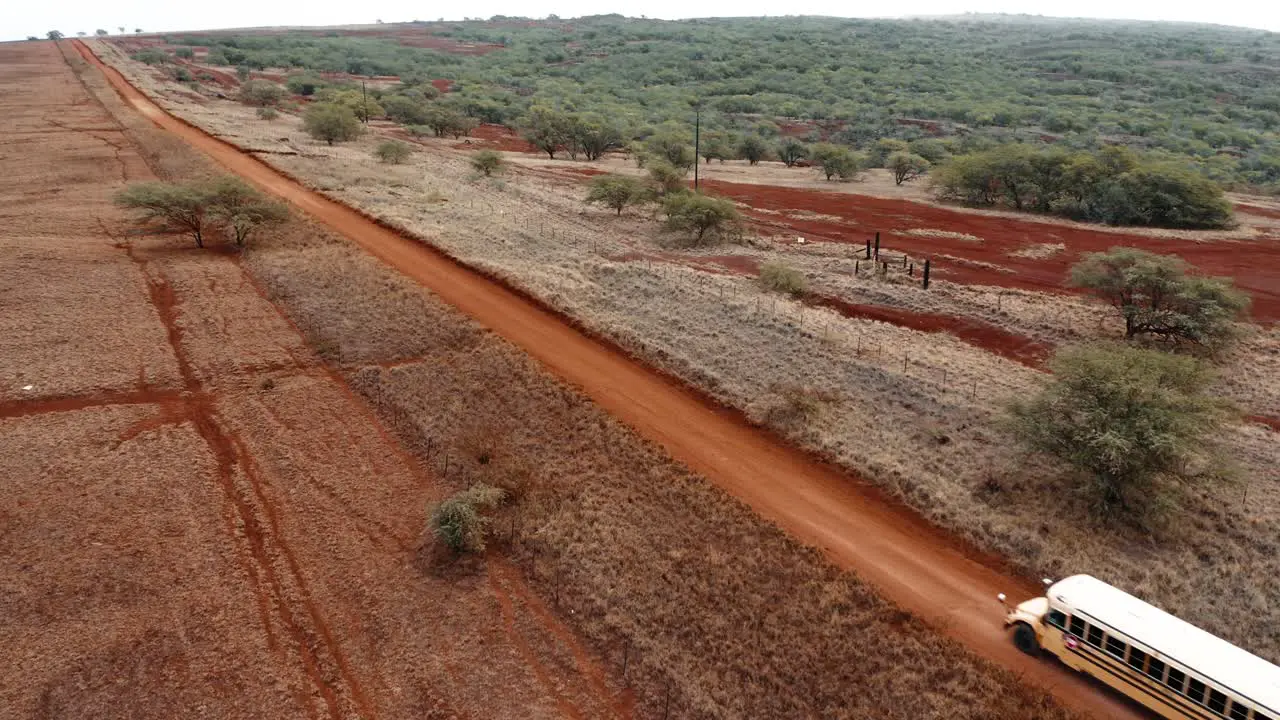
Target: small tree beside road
[(701, 215), (1127, 421), (1156, 297), (487, 162), (332, 123), (392, 152), (906, 167), (195, 208), (618, 192)]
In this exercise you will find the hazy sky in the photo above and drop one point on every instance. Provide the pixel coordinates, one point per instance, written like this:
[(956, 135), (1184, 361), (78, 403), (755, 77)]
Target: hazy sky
[(35, 17)]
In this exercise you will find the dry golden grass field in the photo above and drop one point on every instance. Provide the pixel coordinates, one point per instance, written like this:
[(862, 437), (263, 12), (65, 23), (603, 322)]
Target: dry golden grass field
[(914, 411)]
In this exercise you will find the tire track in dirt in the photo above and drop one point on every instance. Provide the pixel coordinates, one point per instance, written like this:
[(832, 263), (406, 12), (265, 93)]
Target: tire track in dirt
[(323, 660), (42, 405), (913, 564)]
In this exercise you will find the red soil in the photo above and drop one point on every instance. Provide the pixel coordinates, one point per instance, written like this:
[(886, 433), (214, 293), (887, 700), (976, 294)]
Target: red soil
[(1270, 422), (1261, 211), (1253, 264), (442, 85), (975, 332), (497, 137)]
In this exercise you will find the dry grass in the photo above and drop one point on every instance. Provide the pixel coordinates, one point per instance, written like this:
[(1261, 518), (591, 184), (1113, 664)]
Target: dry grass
[(935, 233), (720, 333), (1040, 250)]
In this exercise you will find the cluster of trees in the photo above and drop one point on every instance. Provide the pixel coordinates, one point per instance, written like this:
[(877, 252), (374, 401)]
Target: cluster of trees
[(196, 208), (1133, 421), (1195, 91), (1113, 185), (700, 218)]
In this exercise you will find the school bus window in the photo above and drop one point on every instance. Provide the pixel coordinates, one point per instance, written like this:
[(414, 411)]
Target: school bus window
[(1259, 716), (1058, 619), (1115, 647), (1238, 711), (1095, 636), (1155, 669), (1195, 690), (1077, 626), (1176, 679), (1137, 659), (1217, 702)]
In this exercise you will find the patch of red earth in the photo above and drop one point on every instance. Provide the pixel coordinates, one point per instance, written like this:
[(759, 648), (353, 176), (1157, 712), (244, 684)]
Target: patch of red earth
[(1270, 422), (1253, 264), (488, 136), (1259, 211), (442, 85), (974, 332), (585, 171)]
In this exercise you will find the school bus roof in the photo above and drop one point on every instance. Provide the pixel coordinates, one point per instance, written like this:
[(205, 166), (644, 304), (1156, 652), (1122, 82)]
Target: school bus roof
[(1230, 667)]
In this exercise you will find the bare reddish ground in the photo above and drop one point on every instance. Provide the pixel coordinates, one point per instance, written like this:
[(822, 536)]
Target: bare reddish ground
[(442, 85), (585, 171), (1253, 264), (975, 332), (1270, 422), (1261, 211), (497, 137)]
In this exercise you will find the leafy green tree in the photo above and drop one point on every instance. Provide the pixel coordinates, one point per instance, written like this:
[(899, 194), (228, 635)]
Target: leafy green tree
[(240, 208), (1126, 420), (715, 146), (667, 177), (546, 129), (883, 148), (753, 148), (931, 149), (1155, 296), (180, 208), (461, 522), (837, 161), (487, 162), (618, 192), (701, 215), (100, 32), (673, 147), (304, 84), (331, 123), (185, 53), (262, 93), (362, 105), (392, 152), (54, 35), (267, 113), (594, 135), (792, 151), (243, 73), (906, 167)]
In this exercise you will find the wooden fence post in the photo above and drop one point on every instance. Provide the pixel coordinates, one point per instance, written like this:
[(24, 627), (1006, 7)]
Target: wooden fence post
[(877, 245), (926, 273), (868, 250)]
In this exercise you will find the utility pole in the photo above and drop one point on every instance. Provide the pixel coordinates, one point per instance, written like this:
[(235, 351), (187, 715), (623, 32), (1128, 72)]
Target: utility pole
[(697, 143), (364, 107)]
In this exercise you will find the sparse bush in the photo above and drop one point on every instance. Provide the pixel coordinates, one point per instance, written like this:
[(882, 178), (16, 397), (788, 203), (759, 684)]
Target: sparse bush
[(180, 73), (906, 167), (243, 73), (1156, 297), (460, 521), (240, 208), (753, 149), (1126, 420), (487, 162), (304, 84), (54, 35), (182, 208), (332, 123), (185, 53), (667, 177), (618, 192), (792, 151), (791, 405), (392, 152), (405, 110), (780, 278), (702, 215), (837, 161), (151, 57), (262, 93), (195, 207), (267, 113)]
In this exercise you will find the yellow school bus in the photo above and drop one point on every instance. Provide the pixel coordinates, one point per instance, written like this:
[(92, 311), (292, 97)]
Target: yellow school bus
[(1167, 664)]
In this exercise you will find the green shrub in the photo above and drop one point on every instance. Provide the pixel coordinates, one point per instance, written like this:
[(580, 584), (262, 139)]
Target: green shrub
[(780, 278), (753, 148), (906, 167), (703, 216), (1127, 421), (185, 53), (304, 84), (487, 162), (151, 57), (667, 177), (267, 113), (332, 123), (460, 521), (792, 151), (618, 192), (392, 152), (262, 93), (1156, 297)]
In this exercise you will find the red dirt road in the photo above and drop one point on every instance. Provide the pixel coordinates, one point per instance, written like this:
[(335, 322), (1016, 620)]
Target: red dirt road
[(1254, 264), (913, 564)]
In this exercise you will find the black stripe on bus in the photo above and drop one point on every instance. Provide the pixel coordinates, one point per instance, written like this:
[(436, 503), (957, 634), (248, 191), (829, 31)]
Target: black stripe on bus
[(1258, 706), (1174, 699)]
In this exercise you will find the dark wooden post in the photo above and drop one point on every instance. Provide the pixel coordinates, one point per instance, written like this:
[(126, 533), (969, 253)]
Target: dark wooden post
[(926, 273), (877, 245), (912, 270), (868, 249)]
